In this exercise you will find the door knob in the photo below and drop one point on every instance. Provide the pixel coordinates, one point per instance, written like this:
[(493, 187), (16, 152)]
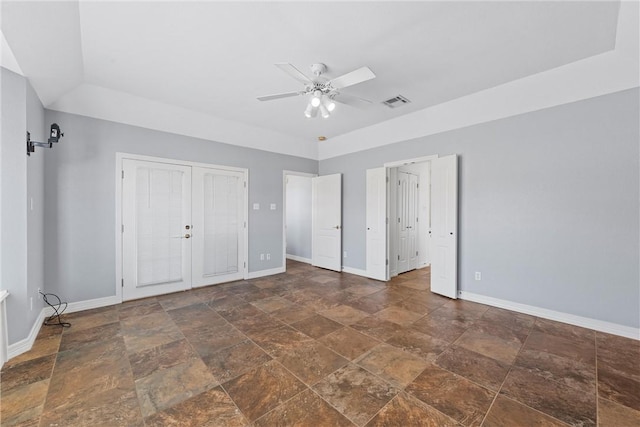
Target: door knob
[(187, 227), (337, 227), (186, 236)]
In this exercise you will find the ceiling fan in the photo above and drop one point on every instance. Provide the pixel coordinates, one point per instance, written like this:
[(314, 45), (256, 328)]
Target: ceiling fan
[(324, 92)]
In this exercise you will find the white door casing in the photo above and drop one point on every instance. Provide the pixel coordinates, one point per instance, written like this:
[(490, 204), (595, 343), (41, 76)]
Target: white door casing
[(444, 225), (376, 221), (156, 208), (326, 219), (218, 226)]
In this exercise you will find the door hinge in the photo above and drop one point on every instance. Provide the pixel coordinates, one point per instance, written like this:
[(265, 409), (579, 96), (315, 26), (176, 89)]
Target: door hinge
[(416, 253), (398, 220), (122, 228), (416, 219), (245, 184), (245, 264), (123, 174), (398, 257), (122, 283), (417, 185), (245, 224), (387, 179), (386, 262), (398, 182), (386, 220)]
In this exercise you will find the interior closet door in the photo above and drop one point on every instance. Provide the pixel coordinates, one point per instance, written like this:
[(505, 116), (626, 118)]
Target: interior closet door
[(407, 215), (444, 226), (156, 208), (218, 226), (377, 265), (326, 220)]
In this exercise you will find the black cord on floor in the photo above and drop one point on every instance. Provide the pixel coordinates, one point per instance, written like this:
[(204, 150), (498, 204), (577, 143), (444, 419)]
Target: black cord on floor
[(49, 321)]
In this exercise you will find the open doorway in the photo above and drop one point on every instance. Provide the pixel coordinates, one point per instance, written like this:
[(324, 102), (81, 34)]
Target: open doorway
[(410, 217), (297, 226), (384, 220)]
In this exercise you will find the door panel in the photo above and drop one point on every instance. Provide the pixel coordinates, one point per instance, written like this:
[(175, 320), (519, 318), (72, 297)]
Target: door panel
[(156, 209), (218, 226), (377, 223), (444, 225), (326, 218), (407, 226), (411, 221), (403, 238)]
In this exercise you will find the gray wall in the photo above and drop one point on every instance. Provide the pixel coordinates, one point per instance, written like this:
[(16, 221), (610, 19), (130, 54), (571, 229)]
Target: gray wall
[(298, 218), (21, 265), (35, 202), (548, 204), (80, 198)]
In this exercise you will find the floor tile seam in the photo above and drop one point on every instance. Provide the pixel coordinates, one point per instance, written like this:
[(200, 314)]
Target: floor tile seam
[(554, 380), (392, 384), (421, 401), (504, 380), (332, 372), (518, 401), (306, 387), (504, 396), (46, 396), (334, 407), (53, 370), (572, 339), (224, 390)]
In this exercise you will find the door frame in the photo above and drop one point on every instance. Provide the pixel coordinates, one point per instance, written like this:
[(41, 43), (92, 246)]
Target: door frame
[(285, 173), (388, 166), (120, 156)]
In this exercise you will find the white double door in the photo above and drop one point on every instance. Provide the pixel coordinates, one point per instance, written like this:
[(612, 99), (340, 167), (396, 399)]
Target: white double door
[(182, 227), (444, 225)]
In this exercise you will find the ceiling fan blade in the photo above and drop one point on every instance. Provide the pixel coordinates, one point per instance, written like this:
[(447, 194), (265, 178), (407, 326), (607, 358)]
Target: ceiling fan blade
[(294, 72), (279, 95), (353, 78), (351, 100)]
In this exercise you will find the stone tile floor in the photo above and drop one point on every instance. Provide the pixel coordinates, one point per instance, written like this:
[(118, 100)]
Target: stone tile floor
[(319, 348)]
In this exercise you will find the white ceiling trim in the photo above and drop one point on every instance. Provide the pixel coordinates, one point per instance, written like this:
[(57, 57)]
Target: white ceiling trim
[(7, 59), (598, 75), (101, 103)]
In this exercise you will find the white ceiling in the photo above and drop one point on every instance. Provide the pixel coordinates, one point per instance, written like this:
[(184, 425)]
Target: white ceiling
[(211, 59)]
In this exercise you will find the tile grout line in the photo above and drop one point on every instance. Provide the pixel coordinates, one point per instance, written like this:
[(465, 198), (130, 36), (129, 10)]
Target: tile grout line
[(508, 372), (55, 361)]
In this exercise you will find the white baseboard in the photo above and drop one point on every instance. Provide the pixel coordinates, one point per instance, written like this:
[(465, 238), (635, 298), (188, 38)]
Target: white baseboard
[(269, 272), (25, 345), (585, 322), (87, 305), (298, 258)]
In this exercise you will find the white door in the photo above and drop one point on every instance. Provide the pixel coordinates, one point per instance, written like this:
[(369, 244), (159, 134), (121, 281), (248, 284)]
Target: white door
[(444, 226), (412, 222), (377, 224), (326, 219), (156, 209), (407, 221), (217, 233)]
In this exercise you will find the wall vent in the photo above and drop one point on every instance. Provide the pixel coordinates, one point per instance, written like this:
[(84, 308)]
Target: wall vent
[(396, 101)]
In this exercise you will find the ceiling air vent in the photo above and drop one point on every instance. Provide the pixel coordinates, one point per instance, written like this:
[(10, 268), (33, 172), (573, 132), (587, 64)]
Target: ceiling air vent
[(396, 101)]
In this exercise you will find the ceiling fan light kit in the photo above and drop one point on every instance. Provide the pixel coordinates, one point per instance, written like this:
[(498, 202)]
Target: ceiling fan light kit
[(323, 93)]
